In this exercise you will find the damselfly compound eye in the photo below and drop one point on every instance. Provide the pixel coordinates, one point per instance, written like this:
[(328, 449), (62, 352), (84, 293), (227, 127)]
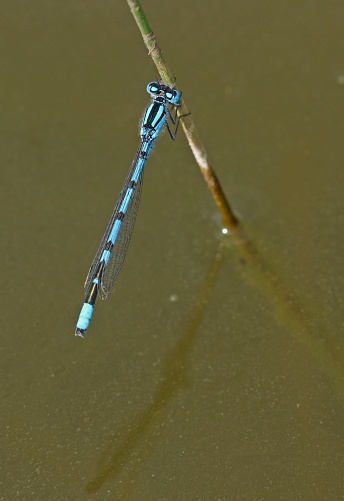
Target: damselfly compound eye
[(175, 96), (153, 88)]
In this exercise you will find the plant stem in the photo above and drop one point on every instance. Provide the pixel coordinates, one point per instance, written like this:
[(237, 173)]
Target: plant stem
[(229, 220)]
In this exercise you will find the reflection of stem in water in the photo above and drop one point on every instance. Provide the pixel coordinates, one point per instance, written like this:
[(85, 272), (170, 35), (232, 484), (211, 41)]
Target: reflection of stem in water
[(173, 378), (303, 323)]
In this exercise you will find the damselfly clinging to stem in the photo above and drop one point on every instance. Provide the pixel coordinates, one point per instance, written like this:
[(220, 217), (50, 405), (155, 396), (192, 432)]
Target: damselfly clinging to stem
[(113, 247)]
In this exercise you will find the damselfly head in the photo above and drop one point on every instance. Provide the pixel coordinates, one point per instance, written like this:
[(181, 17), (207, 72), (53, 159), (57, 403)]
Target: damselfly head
[(157, 89)]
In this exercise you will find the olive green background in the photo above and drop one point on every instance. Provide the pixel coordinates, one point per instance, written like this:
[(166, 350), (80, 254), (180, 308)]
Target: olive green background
[(194, 382)]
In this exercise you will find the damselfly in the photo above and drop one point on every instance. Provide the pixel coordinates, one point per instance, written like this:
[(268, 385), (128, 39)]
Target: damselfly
[(113, 247)]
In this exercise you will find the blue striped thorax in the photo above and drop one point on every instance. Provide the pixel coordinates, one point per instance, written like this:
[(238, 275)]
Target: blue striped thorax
[(155, 115)]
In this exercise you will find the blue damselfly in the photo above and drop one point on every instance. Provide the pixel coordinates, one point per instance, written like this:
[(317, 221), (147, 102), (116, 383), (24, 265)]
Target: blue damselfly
[(113, 247)]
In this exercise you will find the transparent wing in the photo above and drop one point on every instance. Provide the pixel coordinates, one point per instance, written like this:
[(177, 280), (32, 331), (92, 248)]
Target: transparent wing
[(114, 216), (121, 244)]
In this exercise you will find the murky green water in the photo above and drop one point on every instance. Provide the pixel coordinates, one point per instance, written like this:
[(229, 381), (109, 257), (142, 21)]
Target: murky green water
[(198, 379)]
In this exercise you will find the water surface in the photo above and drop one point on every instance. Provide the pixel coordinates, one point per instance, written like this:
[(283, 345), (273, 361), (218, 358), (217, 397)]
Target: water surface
[(197, 380)]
